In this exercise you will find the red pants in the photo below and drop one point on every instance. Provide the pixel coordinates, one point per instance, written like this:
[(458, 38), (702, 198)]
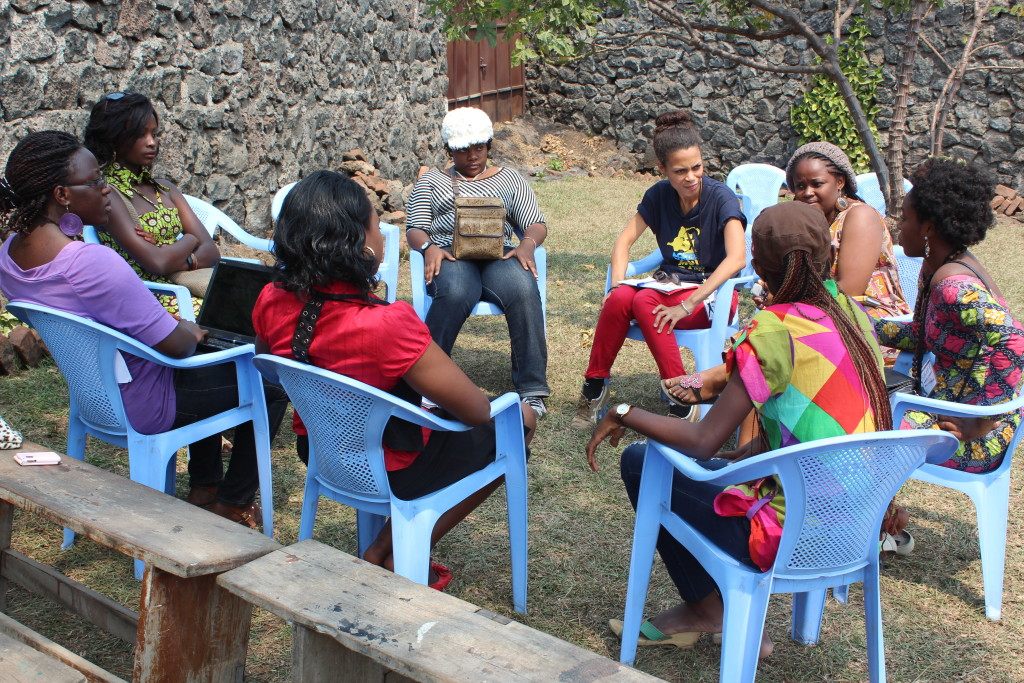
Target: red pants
[(630, 303)]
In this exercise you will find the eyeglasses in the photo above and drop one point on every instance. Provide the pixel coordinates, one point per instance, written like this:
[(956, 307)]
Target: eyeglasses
[(97, 184), (114, 96)]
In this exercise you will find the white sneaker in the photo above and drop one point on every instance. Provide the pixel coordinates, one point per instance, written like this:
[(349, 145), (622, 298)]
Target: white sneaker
[(537, 403), (589, 410)]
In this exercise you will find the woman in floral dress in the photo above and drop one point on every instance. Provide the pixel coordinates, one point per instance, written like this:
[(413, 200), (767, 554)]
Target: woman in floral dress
[(151, 226), (961, 315)]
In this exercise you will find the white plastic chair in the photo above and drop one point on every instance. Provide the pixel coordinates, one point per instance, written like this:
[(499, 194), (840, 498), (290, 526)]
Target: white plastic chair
[(836, 493), (989, 491), (868, 190), (346, 420), (706, 344), (212, 218), (87, 354), (759, 184), (421, 301), (278, 201)]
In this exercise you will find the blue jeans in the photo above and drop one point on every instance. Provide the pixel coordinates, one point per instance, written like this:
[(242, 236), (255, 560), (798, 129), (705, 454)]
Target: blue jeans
[(458, 288), (693, 501)]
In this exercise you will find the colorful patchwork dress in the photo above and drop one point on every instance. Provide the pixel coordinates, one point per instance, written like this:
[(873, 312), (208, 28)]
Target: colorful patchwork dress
[(979, 356), (163, 223), (804, 385)]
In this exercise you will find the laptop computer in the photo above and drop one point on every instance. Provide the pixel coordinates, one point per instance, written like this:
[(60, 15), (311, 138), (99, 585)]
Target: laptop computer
[(230, 297)]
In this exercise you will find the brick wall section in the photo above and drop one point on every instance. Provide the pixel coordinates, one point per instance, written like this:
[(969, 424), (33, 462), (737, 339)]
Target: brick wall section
[(249, 91), (745, 113)]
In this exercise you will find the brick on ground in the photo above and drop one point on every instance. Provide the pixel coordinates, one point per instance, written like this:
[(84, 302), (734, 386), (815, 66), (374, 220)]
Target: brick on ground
[(1007, 192), (997, 202), (8, 357), (1011, 207), (28, 345)]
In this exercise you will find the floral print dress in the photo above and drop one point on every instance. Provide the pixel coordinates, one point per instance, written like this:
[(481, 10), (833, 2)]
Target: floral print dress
[(163, 223), (979, 358)]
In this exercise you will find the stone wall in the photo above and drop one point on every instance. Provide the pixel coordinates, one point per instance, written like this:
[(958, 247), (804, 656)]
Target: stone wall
[(745, 113), (250, 93)]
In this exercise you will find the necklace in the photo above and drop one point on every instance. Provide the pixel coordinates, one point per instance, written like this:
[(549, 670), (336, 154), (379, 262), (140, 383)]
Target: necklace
[(468, 178)]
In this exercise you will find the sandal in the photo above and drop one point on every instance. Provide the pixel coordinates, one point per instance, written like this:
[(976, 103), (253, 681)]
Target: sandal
[(444, 575), (695, 383), (651, 635)]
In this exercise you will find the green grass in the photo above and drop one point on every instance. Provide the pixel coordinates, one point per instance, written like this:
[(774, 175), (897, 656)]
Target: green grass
[(581, 522)]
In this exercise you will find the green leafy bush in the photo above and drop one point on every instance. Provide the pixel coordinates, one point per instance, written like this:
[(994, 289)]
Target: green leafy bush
[(822, 114)]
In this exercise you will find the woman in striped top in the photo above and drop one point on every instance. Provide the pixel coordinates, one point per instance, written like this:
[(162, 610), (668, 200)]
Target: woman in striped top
[(511, 281)]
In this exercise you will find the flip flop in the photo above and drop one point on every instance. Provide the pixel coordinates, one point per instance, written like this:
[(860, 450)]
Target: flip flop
[(444, 575), (694, 382), (650, 635)]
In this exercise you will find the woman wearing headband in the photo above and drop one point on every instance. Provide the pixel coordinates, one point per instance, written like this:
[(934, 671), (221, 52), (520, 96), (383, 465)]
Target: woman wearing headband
[(151, 225)]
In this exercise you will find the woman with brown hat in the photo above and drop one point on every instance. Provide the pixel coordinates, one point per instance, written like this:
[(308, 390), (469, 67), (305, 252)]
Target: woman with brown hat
[(799, 392)]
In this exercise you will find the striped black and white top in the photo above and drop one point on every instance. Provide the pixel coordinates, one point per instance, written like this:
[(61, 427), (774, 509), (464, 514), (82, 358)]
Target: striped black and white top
[(432, 204)]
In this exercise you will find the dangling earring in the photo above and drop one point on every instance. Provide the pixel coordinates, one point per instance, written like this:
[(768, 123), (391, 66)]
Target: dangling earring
[(927, 247), (842, 204), (373, 254), (70, 223)]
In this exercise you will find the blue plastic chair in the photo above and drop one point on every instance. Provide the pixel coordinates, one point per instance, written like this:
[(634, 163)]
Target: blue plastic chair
[(909, 268), (421, 301), (346, 418), (706, 344), (388, 271), (88, 353), (868, 190), (989, 491), (836, 492), (759, 185)]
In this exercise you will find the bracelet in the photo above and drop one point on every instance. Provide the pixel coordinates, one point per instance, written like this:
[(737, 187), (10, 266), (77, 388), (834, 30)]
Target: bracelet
[(191, 262), (682, 305), (527, 237)]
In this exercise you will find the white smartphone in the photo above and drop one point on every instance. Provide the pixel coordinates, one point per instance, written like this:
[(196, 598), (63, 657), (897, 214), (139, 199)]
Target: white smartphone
[(44, 458)]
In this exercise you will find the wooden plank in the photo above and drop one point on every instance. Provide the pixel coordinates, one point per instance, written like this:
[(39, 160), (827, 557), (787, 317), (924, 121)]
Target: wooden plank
[(24, 634), (20, 663), (190, 630), (131, 518), (97, 609), (6, 526), (410, 629)]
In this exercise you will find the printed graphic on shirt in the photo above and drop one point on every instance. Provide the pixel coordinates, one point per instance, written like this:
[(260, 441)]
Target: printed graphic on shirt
[(684, 247)]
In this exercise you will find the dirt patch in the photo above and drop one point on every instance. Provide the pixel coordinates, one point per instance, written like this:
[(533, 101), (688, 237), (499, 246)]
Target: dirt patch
[(543, 150)]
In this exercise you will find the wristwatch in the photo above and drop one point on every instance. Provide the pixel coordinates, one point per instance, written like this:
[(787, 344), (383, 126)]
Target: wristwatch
[(622, 410), (423, 247)]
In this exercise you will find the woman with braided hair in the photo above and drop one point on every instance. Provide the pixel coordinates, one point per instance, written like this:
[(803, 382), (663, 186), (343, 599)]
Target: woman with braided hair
[(800, 390), (52, 185), (151, 225), (961, 315)]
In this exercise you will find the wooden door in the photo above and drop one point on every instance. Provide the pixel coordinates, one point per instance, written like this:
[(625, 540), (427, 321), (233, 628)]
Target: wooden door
[(483, 76)]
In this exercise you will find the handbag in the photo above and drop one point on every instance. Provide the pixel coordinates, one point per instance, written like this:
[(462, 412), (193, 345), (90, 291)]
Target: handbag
[(479, 231), (195, 281), (898, 382)]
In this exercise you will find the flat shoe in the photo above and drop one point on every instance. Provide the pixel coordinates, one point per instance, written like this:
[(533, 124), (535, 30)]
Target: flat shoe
[(247, 515), (444, 575), (650, 635)]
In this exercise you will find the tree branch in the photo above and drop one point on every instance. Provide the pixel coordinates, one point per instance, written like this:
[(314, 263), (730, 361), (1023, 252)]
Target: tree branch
[(675, 17), (697, 42), (938, 54)]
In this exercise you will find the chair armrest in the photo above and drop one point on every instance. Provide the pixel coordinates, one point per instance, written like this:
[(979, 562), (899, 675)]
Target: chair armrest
[(201, 360), (901, 403), (634, 268), (504, 402), (179, 292)]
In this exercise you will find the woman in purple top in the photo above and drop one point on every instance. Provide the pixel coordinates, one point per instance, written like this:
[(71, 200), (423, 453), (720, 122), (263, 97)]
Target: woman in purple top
[(51, 185)]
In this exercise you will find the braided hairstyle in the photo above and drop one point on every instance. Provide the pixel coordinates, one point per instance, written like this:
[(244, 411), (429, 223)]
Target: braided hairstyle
[(801, 283), (38, 164), (956, 198), (674, 130)]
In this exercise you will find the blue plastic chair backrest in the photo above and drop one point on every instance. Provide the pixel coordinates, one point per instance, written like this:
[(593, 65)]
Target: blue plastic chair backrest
[(868, 190), (909, 268), (85, 353), (345, 419), (759, 184)]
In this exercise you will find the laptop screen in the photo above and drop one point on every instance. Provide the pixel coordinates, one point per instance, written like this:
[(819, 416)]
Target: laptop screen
[(232, 295)]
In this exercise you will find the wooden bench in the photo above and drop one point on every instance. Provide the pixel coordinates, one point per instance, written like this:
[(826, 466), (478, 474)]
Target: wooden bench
[(187, 627), (354, 621)]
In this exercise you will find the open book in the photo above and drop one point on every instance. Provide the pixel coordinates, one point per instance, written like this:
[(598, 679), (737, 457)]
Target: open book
[(651, 283)]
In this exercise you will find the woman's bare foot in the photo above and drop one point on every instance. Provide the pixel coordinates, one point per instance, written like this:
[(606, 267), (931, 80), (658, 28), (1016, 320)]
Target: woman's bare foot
[(703, 385), (704, 615)]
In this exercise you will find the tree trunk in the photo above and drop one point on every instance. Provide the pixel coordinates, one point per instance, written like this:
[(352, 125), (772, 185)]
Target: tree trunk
[(860, 119), (898, 129), (952, 85)]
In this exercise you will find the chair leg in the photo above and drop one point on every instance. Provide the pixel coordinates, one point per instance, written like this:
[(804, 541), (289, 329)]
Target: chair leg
[(873, 625), (310, 503), (654, 496), (841, 594), (515, 500), (991, 506), (807, 610), (410, 541), (742, 627), (368, 526), (75, 449)]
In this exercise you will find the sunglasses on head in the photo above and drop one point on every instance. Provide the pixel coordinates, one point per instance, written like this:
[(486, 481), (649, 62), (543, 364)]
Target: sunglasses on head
[(114, 96)]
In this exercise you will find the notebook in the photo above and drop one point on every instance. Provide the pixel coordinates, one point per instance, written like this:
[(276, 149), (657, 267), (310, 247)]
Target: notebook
[(230, 297)]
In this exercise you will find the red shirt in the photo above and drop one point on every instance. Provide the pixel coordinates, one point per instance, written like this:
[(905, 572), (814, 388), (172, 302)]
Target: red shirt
[(373, 343)]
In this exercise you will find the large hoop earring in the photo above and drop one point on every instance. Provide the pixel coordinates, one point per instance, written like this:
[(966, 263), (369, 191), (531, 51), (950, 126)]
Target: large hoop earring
[(373, 254), (842, 204), (71, 223)]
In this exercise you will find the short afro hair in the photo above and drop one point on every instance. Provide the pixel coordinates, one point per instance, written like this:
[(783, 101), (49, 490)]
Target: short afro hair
[(956, 197)]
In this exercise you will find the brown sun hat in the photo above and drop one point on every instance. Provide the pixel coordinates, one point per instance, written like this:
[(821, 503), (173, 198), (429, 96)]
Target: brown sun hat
[(788, 227)]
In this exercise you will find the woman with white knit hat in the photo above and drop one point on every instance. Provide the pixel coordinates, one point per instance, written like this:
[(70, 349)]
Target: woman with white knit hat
[(511, 281)]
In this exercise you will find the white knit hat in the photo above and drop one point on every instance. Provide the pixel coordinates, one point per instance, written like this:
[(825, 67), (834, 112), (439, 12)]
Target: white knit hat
[(465, 127)]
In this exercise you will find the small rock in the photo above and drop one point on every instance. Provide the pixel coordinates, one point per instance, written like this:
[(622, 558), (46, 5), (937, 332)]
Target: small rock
[(28, 345), (353, 155), (8, 357)]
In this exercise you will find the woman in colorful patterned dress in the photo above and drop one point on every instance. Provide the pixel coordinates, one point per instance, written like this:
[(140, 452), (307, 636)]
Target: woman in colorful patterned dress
[(961, 315), (151, 224), (799, 390)]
